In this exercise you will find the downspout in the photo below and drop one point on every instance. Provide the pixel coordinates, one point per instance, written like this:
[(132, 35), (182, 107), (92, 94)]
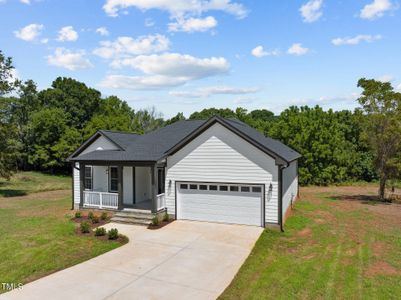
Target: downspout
[(280, 195)]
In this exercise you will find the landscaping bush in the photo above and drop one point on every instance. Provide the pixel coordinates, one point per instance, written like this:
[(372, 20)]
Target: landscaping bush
[(113, 234), (85, 228), (78, 215), (166, 217), (90, 215), (104, 216), (155, 221), (95, 219), (100, 231)]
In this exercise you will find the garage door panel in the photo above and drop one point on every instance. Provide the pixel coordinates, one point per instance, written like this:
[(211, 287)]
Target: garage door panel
[(220, 206)]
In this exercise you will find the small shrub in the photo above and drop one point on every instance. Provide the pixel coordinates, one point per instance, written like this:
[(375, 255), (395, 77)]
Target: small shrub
[(113, 234), (95, 219), (100, 231), (155, 221), (166, 217), (85, 228), (78, 215), (104, 216), (90, 215)]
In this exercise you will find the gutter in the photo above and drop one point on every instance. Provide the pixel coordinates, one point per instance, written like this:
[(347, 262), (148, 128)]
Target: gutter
[(280, 195)]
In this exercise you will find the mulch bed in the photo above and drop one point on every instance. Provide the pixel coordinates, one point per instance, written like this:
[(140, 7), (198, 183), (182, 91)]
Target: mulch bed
[(122, 239), (160, 225)]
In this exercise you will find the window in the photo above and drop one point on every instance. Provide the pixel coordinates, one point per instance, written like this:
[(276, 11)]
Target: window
[(113, 179), (88, 179), (256, 189), (184, 186), (245, 189), (213, 187), (223, 188), (193, 187), (203, 187), (234, 188)]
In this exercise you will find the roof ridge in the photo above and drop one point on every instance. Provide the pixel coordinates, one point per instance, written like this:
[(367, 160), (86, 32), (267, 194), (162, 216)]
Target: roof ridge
[(116, 131)]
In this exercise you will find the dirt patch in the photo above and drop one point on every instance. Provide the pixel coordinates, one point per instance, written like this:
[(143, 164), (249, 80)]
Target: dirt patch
[(381, 268), (319, 221), (49, 195), (379, 248), (304, 232)]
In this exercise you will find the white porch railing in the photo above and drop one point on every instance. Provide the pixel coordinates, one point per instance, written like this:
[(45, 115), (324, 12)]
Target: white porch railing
[(100, 199), (160, 201)]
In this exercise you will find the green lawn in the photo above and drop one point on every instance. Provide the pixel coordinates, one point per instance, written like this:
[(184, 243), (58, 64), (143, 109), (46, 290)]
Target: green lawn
[(24, 183), (37, 235), (338, 244)]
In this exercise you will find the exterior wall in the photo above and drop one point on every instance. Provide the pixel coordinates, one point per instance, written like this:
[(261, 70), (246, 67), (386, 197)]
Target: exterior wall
[(101, 143), (219, 155), (76, 188), (128, 196), (143, 184), (100, 178), (290, 186)]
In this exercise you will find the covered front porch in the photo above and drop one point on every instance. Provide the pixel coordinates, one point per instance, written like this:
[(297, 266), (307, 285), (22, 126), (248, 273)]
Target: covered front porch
[(121, 186)]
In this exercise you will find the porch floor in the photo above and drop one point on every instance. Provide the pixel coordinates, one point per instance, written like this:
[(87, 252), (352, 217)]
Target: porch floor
[(144, 205)]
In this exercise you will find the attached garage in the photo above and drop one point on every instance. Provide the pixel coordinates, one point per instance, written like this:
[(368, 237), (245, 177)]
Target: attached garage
[(221, 202)]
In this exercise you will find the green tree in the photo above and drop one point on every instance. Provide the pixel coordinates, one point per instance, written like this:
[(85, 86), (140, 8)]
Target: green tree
[(46, 128), (7, 129), (78, 101), (382, 106), (178, 117), (210, 112), (114, 114)]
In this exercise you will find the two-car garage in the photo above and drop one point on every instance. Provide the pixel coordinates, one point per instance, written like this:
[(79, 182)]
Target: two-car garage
[(220, 202)]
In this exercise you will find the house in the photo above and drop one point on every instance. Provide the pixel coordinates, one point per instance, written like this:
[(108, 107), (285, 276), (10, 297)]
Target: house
[(217, 170)]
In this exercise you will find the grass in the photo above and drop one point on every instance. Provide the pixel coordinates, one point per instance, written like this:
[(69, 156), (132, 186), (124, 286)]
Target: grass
[(24, 183), (37, 234), (335, 246)]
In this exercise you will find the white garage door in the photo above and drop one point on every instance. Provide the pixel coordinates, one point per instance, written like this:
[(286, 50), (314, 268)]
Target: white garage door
[(219, 202)]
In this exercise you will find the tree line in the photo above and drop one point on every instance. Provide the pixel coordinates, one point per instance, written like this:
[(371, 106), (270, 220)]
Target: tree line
[(40, 129)]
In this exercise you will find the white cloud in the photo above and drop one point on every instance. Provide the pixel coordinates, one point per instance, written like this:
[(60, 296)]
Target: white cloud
[(376, 9), (71, 60), (213, 90), (102, 31), (30, 32), (356, 40), (165, 70), (398, 88), (125, 46), (193, 24), (297, 49), (386, 78), (259, 51), (25, 1), (176, 65), (140, 82), (311, 11), (177, 7), (67, 34)]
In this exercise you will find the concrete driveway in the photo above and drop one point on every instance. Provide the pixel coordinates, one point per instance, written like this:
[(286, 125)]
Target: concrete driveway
[(183, 260)]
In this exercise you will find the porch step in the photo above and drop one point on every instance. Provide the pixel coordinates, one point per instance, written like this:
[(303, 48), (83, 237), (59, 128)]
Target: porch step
[(133, 217)]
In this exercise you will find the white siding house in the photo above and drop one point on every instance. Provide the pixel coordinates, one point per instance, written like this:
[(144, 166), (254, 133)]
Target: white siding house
[(218, 170)]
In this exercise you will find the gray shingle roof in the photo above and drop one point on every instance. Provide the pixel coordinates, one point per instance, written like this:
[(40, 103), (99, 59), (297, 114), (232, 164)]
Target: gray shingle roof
[(154, 145)]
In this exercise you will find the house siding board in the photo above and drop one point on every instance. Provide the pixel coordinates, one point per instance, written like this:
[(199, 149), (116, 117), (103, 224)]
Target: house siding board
[(290, 186), (100, 142), (76, 187), (219, 155)]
